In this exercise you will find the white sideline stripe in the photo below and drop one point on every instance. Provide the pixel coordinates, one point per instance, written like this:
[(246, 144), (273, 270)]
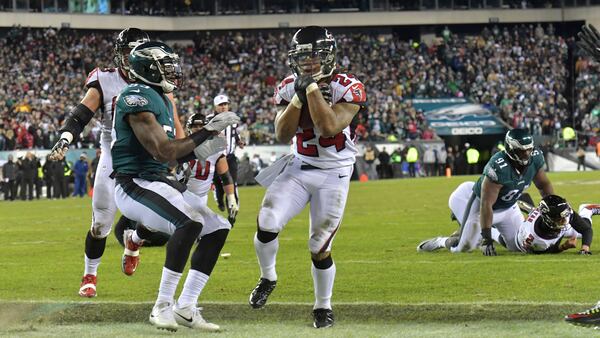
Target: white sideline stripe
[(309, 304), (483, 260)]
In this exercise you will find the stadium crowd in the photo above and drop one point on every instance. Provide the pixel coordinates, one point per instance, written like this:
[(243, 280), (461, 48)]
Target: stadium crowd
[(522, 70)]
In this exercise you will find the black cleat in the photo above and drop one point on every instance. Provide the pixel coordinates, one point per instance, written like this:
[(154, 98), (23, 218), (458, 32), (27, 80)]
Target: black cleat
[(258, 297), (323, 318)]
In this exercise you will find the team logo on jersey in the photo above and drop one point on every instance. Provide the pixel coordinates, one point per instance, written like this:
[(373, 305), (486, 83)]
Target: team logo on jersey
[(358, 93), (135, 100)]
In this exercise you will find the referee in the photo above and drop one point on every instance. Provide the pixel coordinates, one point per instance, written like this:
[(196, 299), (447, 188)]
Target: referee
[(221, 105)]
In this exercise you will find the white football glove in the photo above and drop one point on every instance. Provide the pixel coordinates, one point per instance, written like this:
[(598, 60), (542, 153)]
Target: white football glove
[(221, 121), (214, 145), (232, 207)]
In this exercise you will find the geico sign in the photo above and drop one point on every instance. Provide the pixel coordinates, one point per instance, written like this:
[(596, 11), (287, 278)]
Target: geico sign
[(467, 131)]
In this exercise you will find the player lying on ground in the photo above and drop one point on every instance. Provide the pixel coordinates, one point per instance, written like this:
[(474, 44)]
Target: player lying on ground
[(492, 200), (143, 147)]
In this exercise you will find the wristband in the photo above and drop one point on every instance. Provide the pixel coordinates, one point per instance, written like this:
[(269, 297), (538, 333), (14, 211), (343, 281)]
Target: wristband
[(311, 88), (486, 233), (67, 136), (296, 102)]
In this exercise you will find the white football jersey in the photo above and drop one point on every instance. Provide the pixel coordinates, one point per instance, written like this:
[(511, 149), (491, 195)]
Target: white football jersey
[(528, 240), (109, 82), (202, 174), (308, 144)]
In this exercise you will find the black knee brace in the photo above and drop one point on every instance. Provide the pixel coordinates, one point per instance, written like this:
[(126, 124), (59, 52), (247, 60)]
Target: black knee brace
[(207, 252)]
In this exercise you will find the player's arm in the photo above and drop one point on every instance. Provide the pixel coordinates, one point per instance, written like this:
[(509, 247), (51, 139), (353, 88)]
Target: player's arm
[(583, 226), (489, 195), (78, 118), (154, 139), (330, 120), (179, 132), (222, 169), (543, 184), (287, 119)]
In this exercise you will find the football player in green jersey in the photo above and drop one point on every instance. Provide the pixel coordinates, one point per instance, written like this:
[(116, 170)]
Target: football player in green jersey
[(492, 200), (143, 146)]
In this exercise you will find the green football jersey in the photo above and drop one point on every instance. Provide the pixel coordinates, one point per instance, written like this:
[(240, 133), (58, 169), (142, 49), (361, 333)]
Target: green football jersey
[(128, 155), (500, 170)]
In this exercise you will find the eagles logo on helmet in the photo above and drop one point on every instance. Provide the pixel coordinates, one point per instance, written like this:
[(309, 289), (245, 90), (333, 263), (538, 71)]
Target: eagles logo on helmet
[(128, 39), (519, 146), (155, 64)]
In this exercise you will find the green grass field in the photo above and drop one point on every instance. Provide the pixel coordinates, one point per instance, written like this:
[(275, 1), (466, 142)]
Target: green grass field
[(383, 286)]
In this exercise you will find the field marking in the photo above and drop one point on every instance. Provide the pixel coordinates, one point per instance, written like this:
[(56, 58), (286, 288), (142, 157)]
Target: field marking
[(476, 303)]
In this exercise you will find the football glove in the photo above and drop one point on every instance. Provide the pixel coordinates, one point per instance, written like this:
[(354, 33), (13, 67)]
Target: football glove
[(183, 172), (210, 147), (300, 85), (589, 41), (487, 245), (59, 150), (232, 208), (585, 252), (222, 121)]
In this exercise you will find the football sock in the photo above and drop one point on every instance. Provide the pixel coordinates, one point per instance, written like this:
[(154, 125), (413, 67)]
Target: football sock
[(180, 245), (168, 285), (449, 241), (323, 281), (91, 266), (207, 252), (194, 283), (267, 255), (135, 238)]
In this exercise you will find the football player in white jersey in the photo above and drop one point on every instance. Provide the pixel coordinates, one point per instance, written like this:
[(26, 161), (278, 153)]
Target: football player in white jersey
[(202, 173), (546, 225), (103, 86), (316, 106)]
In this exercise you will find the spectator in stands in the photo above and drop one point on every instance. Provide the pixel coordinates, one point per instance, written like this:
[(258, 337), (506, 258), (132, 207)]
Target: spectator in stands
[(9, 173)]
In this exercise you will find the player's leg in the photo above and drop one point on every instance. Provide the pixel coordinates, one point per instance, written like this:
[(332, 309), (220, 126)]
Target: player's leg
[(164, 209), (588, 210), (103, 215), (463, 205), (329, 193), (212, 239), (508, 222), (284, 199)]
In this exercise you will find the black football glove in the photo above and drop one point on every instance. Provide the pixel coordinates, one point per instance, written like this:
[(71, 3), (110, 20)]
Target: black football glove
[(487, 245), (59, 150), (585, 253), (300, 85), (589, 41)]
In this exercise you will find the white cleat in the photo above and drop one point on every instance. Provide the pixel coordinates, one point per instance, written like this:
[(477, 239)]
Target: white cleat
[(589, 209), (191, 316), (432, 244), (162, 317)]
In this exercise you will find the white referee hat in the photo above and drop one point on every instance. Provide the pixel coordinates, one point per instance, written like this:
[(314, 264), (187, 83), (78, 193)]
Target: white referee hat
[(221, 98)]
